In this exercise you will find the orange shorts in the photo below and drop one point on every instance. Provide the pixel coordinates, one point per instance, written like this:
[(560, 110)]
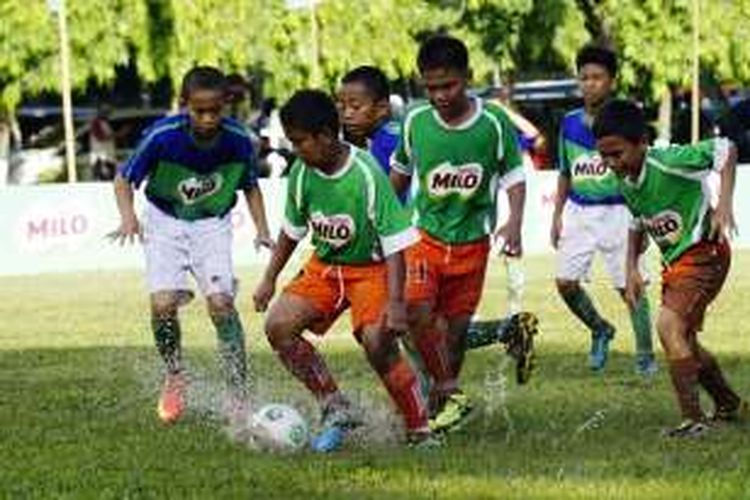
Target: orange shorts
[(693, 281), (332, 289), (449, 277)]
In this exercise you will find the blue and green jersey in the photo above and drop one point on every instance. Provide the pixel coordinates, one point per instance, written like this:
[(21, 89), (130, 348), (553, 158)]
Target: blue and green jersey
[(189, 180), (591, 182)]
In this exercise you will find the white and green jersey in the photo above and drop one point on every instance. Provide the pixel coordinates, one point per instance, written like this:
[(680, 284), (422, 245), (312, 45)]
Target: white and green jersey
[(671, 199), (354, 214), (459, 169)]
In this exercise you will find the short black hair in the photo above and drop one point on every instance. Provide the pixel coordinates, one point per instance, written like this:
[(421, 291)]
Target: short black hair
[(311, 111), (372, 78), (620, 118), (203, 78), (443, 52), (596, 54)]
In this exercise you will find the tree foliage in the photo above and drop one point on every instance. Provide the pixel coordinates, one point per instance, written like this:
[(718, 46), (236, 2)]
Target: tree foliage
[(531, 37)]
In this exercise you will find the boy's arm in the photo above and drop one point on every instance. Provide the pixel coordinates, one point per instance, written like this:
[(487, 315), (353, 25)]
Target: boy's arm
[(129, 226), (722, 220), (282, 251), (254, 198), (396, 317), (511, 230), (634, 283), (400, 182), (513, 180), (563, 188)]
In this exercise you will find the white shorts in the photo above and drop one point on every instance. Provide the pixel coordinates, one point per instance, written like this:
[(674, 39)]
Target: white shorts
[(175, 248), (587, 229)]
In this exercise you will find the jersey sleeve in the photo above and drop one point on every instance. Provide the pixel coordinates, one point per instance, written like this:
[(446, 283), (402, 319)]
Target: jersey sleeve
[(509, 154), (143, 160), (710, 154), (392, 221), (295, 214), (563, 165), (401, 160), (250, 161)]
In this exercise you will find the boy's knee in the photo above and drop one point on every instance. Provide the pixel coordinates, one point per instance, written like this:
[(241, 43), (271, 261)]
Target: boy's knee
[(164, 304), (566, 287), (280, 331), (220, 304), (419, 319), (381, 347)]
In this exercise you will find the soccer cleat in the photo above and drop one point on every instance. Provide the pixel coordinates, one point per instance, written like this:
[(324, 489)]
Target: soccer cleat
[(453, 415), (740, 413), (423, 440), (600, 347), (524, 326), (645, 365), (172, 399), (688, 429), (338, 420)]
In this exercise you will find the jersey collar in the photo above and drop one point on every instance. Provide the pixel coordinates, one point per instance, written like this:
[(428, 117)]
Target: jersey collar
[(468, 123), (347, 166)]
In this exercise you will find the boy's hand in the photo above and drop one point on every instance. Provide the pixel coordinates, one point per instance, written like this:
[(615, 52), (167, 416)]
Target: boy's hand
[(723, 225), (396, 316), (555, 230), (264, 241), (263, 294), (634, 286), (129, 230), (510, 236)]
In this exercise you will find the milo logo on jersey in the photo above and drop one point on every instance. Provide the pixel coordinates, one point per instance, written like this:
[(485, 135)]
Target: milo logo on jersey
[(194, 189), (336, 230), (665, 227), (589, 166), (463, 180)]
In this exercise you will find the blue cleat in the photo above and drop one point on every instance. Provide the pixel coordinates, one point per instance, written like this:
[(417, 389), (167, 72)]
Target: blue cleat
[(645, 365), (329, 439), (337, 421), (600, 347)]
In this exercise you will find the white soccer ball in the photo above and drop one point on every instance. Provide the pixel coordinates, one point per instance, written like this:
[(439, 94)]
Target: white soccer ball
[(279, 427)]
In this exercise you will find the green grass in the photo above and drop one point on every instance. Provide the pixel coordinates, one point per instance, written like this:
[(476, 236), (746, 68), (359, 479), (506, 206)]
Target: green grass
[(78, 382)]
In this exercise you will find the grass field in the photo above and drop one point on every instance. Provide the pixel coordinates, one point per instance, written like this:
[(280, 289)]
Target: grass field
[(78, 383)]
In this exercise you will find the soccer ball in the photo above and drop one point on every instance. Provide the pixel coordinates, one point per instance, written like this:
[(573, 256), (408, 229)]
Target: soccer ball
[(279, 427)]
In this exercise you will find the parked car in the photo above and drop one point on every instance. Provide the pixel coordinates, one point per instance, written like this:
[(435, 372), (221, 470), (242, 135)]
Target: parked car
[(41, 157)]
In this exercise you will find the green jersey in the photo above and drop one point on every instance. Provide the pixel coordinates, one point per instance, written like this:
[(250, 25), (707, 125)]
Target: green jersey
[(671, 198), (354, 214), (591, 182), (459, 169)]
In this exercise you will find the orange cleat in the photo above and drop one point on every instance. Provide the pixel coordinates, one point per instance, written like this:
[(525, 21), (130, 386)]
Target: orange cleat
[(172, 400)]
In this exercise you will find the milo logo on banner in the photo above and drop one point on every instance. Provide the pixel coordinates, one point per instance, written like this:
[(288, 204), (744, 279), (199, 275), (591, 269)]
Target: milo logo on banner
[(195, 189), (447, 179), (665, 227), (336, 230), (589, 166)]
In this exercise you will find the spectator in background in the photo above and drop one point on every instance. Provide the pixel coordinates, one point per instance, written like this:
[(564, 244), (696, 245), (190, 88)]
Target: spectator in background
[(531, 141), (102, 145)]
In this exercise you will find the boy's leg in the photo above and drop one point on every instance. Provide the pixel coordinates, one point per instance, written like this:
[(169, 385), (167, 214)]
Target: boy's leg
[(231, 344), (683, 365), (398, 377), (287, 319), (711, 378), (576, 247), (430, 338), (166, 328)]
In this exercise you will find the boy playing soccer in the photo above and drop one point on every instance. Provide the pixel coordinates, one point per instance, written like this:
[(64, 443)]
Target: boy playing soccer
[(365, 113), (192, 163), (460, 150), (359, 233), (590, 216), (666, 191)]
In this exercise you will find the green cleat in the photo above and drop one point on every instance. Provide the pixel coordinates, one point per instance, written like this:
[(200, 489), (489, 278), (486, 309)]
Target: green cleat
[(523, 327), (453, 415)]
